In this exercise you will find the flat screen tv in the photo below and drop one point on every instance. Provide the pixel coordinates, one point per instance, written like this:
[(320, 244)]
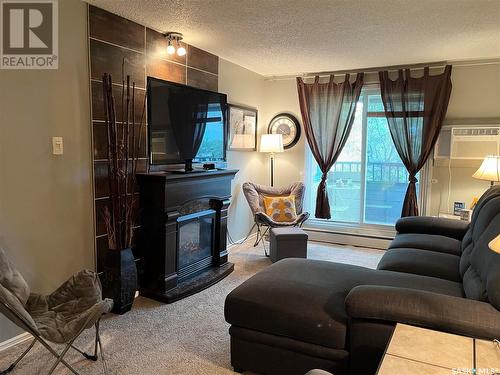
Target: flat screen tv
[(186, 125)]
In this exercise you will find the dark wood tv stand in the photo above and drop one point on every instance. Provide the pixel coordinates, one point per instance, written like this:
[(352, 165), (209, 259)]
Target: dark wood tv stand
[(183, 237)]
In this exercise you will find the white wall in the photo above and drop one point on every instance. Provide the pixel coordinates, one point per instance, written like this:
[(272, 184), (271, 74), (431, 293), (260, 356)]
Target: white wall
[(475, 97), (475, 93), (243, 87), (45, 200), (281, 96)]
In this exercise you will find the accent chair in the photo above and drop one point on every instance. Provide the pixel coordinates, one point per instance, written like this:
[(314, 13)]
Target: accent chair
[(59, 317), (255, 193)]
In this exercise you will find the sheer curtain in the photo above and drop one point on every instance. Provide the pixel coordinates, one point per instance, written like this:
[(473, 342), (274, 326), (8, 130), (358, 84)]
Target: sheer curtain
[(415, 109), (327, 114), (194, 117)]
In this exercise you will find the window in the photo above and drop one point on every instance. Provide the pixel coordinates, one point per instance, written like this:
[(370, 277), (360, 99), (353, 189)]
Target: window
[(212, 144), (368, 183)]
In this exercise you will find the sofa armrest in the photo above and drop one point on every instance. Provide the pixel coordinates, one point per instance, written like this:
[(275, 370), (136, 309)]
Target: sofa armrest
[(426, 309), (433, 225)]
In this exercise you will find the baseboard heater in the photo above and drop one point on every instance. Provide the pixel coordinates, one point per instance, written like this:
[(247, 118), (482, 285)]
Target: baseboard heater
[(349, 238)]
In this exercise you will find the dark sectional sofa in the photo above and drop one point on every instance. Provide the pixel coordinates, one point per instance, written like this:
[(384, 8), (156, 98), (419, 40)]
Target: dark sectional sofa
[(301, 314)]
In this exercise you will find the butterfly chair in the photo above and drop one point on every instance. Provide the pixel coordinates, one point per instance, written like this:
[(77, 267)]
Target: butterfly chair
[(59, 317), (255, 193)]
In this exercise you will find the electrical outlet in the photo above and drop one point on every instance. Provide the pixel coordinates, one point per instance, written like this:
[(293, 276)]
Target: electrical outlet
[(57, 146)]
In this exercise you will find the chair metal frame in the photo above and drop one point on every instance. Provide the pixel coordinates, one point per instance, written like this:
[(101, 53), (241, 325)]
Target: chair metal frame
[(19, 321), (261, 236)]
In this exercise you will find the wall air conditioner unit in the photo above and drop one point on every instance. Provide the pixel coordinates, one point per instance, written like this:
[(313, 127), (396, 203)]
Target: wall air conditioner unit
[(468, 142)]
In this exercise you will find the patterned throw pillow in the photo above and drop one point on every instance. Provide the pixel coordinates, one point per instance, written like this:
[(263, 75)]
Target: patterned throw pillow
[(281, 209)]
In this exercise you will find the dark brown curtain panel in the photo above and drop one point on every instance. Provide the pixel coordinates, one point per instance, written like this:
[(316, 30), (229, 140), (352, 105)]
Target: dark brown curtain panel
[(327, 114), (415, 109)]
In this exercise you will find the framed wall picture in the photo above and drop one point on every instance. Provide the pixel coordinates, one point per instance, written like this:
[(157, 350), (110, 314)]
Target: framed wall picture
[(242, 128)]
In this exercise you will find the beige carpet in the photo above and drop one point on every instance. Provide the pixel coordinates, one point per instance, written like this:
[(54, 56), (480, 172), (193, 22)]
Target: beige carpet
[(186, 337)]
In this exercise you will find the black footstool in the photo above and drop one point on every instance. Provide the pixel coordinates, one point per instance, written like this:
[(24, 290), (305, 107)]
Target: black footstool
[(287, 242)]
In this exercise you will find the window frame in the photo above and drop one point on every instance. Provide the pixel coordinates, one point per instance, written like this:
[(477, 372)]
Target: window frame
[(362, 228)]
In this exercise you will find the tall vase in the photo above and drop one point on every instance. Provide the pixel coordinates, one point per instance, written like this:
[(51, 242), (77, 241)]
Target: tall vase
[(120, 279)]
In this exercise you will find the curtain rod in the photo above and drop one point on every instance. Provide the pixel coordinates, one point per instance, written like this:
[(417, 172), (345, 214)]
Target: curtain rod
[(391, 68)]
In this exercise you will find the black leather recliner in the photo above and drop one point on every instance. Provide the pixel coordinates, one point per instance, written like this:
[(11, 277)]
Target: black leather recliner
[(301, 314)]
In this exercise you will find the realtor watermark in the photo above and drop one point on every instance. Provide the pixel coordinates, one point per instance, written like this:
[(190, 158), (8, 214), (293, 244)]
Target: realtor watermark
[(29, 37), (476, 371)]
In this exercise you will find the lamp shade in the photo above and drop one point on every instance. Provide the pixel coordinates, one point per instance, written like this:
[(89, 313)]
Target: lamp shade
[(271, 143), (489, 169), (495, 244), (243, 141)]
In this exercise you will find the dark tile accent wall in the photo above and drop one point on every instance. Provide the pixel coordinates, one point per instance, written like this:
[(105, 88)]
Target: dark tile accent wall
[(202, 60), (98, 104), (115, 29), (201, 79), (166, 70), (113, 39), (107, 58)]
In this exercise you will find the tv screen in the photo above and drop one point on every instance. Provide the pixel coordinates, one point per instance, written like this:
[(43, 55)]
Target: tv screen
[(185, 123)]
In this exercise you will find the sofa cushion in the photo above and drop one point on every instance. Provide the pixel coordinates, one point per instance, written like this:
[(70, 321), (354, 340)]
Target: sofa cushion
[(467, 247), (481, 279), (303, 299), (421, 262), (432, 225), (468, 242), (474, 287), (432, 242)]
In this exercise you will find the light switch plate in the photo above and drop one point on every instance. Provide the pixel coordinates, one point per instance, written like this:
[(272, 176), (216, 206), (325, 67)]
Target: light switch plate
[(57, 146)]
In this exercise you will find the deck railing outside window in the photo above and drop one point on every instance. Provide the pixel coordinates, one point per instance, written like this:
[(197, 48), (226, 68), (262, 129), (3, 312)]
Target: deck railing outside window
[(385, 188)]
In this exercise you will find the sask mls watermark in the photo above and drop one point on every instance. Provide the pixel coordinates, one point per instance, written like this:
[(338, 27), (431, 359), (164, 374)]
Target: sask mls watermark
[(29, 34)]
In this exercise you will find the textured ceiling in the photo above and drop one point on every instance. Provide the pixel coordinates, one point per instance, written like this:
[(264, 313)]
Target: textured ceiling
[(277, 37)]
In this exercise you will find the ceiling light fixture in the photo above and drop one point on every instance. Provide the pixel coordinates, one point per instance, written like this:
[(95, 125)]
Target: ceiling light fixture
[(174, 44)]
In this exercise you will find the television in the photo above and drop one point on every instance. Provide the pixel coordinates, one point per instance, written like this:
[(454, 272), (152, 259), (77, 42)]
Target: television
[(186, 125)]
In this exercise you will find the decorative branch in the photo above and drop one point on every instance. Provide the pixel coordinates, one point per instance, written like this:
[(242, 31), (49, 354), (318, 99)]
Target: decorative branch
[(120, 212)]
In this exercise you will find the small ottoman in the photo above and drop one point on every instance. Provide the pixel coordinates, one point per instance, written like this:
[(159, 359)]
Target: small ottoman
[(287, 242)]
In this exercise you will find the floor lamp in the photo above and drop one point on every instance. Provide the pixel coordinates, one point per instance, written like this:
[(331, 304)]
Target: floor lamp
[(271, 143)]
